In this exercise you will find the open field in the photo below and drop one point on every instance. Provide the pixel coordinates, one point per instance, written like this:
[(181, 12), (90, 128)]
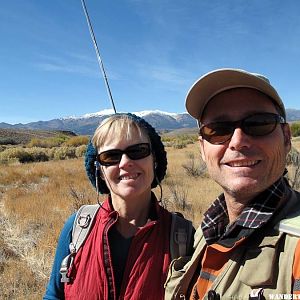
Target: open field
[(36, 199), (296, 143)]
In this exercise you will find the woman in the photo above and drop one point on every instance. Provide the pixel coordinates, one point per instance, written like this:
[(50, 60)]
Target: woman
[(127, 252)]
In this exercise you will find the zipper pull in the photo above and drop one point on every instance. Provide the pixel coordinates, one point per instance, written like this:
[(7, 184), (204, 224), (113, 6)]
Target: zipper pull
[(212, 295), (257, 294)]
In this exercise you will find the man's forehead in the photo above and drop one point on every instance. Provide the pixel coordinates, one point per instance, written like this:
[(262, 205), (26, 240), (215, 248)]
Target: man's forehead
[(238, 102)]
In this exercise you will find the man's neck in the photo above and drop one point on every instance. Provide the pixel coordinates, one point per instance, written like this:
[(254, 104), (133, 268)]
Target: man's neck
[(235, 205)]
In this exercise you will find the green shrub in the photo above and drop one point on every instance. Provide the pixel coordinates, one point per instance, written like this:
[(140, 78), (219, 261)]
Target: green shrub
[(187, 138), (62, 153), (26, 158), (47, 143), (38, 154), (77, 141), (23, 155), (179, 144), (2, 148), (50, 152), (179, 141), (80, 151), (15, 153), (35, 142), (7, 141), (195, 167), (295, 128)]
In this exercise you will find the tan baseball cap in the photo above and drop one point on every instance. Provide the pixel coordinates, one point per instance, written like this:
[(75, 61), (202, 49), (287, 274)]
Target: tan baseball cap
[(217, 81)]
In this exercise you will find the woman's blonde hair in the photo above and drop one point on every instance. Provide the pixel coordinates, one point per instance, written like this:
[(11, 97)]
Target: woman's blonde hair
[(116, 127)]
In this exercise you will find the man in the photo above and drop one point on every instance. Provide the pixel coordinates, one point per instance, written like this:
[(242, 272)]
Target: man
[(247, 246)]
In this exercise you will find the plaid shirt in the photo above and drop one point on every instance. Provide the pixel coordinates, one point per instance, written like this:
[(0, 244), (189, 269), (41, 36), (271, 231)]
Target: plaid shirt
[(215, 223)]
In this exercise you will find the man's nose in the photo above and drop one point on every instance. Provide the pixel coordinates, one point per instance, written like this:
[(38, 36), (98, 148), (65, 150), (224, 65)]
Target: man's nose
[(239, 140)]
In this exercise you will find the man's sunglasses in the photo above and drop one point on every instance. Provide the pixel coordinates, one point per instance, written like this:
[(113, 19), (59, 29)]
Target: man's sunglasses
[(259, 124), (114, 156)]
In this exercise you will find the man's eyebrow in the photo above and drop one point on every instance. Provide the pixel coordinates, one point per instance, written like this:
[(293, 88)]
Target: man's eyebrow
[(227, 118), (221, 118)]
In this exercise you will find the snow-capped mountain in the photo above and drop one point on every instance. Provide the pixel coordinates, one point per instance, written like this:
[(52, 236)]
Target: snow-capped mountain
[(87, 123)]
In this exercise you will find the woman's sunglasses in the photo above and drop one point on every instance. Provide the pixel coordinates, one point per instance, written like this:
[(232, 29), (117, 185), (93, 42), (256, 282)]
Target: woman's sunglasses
[(114, 156), (259, 124)]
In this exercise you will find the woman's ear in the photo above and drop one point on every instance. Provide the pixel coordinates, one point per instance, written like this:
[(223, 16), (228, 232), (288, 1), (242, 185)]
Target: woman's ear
[(101, 173), (99, 170), (154, 161)]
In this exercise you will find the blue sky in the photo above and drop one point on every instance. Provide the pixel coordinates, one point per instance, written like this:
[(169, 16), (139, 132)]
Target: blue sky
[(153, 50)]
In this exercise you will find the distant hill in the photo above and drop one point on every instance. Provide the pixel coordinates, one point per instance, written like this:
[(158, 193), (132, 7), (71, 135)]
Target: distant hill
[(86, 125), (23, 136), (293, 114)]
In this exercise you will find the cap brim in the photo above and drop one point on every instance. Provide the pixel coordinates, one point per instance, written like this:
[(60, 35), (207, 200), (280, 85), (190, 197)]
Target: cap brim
[(217, 81)]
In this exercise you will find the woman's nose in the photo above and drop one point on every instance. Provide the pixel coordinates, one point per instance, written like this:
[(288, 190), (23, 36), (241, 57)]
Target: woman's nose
[(125, 160)]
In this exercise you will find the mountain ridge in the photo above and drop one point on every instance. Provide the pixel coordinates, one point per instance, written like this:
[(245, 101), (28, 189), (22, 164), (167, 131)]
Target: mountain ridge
[(86, 124)]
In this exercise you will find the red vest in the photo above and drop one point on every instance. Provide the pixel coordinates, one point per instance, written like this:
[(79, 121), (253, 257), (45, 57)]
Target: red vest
[(146, 267)]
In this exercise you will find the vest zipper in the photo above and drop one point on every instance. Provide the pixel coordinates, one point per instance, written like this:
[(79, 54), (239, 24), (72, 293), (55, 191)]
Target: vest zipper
[(108, 262), (128, 262)]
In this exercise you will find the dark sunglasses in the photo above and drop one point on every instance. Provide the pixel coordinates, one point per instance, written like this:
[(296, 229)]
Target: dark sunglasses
[(114, 156), (259, 124)]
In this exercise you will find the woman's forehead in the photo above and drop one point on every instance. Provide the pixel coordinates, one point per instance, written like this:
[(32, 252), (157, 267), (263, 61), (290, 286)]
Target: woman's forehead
[(122, 138)]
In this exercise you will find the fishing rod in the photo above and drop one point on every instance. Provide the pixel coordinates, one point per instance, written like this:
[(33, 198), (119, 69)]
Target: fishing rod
[(100, 62)]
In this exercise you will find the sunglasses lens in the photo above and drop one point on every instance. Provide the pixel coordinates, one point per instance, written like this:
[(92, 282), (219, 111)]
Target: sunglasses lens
[(254, 125), (217, 133), (110, 157), (260, 124), (138, 151), (134, 152)]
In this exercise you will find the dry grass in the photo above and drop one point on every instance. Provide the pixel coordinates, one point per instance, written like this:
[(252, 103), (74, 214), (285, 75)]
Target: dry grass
[(199, 192), (36, 199), (296, 143)]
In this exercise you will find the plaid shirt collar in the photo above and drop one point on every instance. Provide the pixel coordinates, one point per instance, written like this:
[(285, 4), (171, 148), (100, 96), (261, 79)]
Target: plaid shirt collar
[(255, 215)]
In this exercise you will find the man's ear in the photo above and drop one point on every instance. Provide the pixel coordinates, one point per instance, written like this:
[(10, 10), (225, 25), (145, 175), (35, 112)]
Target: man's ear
[(201, 143), (287, 136)]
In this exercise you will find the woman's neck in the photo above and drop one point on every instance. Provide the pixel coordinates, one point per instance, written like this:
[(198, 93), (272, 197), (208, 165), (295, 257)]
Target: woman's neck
[(133, 213)]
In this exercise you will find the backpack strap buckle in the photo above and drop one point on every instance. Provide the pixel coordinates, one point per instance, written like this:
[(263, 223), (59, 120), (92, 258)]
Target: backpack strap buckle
[(65, 266), (180, 236), (84, 221)]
